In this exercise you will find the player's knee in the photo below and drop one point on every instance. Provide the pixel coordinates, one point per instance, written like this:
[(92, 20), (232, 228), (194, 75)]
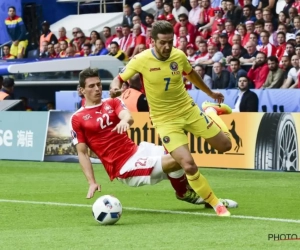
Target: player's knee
[(189, 166)]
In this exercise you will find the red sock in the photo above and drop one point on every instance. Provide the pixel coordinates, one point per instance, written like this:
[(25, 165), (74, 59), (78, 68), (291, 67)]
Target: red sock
[(179, 184)]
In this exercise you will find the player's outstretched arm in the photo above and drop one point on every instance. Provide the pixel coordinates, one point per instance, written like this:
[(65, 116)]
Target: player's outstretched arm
[(125, 123), (87, 169), (115, 87), (198, 82)]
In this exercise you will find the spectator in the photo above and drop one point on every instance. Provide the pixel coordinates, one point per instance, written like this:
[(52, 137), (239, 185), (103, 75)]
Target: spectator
[(62, 35), (190, 52), (99, 48), (171, 19), (133, 98), (283, 17), (289, 49), (259, 70), (51, 52), (159, 9), (244, 36), (139, 38), (127, 41), (275, 76), (234, 13), (75, 31), (118, 36), (254, 38), (206, 19), (148, 38), (141, 48), (212, 56), (247, 14), (127, 16), (137, 9), (25, 103), (296, 22), (268, 17), (220, 77), (107, 36), (247, 101), (94, 36), (200, 69), (63, 45), (259, 14), (236, 53), (57, 49), (224, 46), (266, 47), (17, 32), (298, 39), (230, 30), (7, 90), (117, 52), (236, 73), (220, 26), (297, 81), (87, 50), (249, 57), (149, 20), (203, 53), (259, 27), (178, 9), (168, 7), (47, 35), (281, 45), (237, 39), (273, 34), (183, 43), (194, 12), (70, 52), (287, 6), (6, 53), (44, 50), (184, 22), (285, 65), (137, 20)]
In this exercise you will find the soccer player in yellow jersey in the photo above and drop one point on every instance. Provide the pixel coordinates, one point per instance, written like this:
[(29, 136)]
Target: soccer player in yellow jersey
[(173, 111)]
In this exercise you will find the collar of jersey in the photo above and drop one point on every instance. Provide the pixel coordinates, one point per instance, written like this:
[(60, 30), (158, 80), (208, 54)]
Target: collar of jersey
[(94, 106)]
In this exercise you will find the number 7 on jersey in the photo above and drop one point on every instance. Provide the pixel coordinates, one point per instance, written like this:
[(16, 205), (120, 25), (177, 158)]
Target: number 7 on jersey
[(167, 80)]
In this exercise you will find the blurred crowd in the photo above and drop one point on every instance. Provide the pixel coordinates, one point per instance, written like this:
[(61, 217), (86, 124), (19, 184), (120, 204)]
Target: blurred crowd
[(223, 39)]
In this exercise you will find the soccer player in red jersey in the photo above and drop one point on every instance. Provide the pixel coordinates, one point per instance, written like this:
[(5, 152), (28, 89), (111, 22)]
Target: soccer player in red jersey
[(101, 125)]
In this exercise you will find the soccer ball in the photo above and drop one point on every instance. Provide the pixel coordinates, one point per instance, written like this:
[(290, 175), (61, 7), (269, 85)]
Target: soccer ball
[(107, 210)]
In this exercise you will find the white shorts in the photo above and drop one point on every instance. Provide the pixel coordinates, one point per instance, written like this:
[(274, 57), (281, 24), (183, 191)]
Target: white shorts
[(144, 167)]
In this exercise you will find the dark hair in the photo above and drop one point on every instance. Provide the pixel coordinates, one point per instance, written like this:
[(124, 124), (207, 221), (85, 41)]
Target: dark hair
[(97, 34), (248, 80), (266, 32), (282, 33), (88, 45), (248, 6), (183, 15), (235, 60), (87, 73), (161, 27), (260, 52), (259, 22), (150, 15), (273, 59), (115, 43), (125, 26), (8, 82), (6, 46), (12, 7), (106, 27)]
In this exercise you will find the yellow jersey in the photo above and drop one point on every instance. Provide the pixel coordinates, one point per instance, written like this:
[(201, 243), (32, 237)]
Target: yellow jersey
[(162, 80)]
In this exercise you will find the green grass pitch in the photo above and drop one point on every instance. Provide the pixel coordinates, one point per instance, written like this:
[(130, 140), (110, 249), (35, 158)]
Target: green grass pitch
[(152, 218)]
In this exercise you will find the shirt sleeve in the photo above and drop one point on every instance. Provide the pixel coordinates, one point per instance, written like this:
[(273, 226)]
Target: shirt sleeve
[(118, 105), (187, 67), (76, 131), (130, 69)]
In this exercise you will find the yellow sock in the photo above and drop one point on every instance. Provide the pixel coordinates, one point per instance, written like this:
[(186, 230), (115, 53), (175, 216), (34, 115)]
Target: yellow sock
[(202, 188), (217, 119)]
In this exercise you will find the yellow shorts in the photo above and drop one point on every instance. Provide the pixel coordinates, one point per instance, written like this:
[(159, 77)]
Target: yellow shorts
[(20, 49), (173, 133)]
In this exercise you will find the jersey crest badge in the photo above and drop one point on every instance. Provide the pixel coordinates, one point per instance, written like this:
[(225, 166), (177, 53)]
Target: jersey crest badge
[(166, 139), (173, 66), (87, 117)]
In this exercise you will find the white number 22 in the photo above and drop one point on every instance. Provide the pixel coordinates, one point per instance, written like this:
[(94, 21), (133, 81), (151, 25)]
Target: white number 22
[(104, 121)]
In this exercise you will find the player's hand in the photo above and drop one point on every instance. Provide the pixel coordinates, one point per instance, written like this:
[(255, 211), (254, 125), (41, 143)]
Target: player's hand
[(217, 96), (115, 92), (92, 189), (121, 127)]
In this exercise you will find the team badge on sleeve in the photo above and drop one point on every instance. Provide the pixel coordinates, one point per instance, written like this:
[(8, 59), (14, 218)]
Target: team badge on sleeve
[(173, 66), (73, 134), (123, 69)]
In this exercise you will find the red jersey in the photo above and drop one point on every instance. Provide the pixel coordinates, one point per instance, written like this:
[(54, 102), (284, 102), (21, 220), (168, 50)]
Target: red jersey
[(92, 125)]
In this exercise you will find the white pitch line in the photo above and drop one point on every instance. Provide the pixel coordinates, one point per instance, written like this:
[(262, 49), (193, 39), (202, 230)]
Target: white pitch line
[(152, 210)]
